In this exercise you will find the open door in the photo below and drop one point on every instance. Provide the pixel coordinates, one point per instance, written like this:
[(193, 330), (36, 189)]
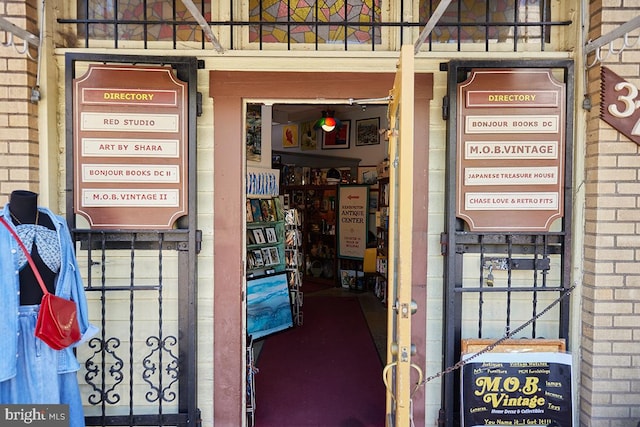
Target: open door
[(397, 372)]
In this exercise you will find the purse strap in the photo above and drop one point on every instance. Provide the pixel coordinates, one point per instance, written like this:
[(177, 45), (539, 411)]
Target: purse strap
[(26, 252)]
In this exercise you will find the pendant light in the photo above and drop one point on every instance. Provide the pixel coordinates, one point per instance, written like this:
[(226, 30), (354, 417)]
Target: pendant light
[(328, 122)]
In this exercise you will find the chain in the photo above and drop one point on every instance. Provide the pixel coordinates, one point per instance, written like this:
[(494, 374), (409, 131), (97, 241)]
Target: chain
[(565, 293)]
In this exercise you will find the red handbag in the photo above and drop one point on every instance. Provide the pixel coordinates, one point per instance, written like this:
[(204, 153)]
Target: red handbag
[(57, 323)]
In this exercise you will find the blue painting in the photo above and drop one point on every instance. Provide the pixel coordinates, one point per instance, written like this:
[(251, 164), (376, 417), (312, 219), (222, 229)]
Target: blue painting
[(268, 305)]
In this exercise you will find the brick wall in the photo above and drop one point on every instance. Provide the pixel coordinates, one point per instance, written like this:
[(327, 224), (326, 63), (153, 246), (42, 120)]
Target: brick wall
[(610, 381), (18, 116)]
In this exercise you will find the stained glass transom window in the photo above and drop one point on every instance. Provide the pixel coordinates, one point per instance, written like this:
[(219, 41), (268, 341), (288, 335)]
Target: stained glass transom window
[(309, 24), (151, 20), (310, 21), (478, 21)]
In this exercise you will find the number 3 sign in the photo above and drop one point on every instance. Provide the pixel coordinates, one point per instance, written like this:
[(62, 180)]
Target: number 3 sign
[(619, 105)]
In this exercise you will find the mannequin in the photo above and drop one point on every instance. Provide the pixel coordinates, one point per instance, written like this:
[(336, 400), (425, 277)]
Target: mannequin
[(23, 207), (31, 372)]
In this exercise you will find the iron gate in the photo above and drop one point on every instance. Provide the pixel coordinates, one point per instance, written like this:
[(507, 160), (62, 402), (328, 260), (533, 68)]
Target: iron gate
[(497, 281), (140, 369)]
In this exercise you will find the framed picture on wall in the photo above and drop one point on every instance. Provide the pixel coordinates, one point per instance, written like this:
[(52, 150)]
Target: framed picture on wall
[(290, 136), (368, 175), (368, 131), (337, 139), (254, 133), (308, 136)]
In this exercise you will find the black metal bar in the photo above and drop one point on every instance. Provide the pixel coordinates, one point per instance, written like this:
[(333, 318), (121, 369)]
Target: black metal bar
[(459, 25), (516, 22), (544, 30), (499, 289), (345, 26), (288, 24), (145, 27), (481, 295), (534, 299), (116, 23), (229, 23), (373, 19), (452, 258), (260, 24), (317, 10), (487, 28), (174, 26), (160, 330), (103, 329), (509, 255), (132, 278)]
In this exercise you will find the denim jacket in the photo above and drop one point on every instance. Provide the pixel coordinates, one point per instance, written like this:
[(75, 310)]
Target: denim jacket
[(69, 285)]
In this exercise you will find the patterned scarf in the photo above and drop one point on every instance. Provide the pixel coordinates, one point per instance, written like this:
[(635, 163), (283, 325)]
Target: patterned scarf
[(47, 242)]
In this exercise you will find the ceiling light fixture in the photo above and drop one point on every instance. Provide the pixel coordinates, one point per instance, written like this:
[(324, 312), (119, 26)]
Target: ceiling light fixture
[(328, 122)]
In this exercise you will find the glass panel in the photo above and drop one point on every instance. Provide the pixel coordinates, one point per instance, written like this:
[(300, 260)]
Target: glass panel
[(161, 13), (291, 13), (460, 21)]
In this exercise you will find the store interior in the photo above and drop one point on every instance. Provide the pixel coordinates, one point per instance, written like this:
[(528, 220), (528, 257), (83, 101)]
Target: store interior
[(309, 265)]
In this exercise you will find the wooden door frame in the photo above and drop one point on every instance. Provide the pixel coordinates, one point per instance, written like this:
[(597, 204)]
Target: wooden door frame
[(228, 90)]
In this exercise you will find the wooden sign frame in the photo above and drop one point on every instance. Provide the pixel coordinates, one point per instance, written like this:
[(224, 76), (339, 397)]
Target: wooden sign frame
[(514, 345)]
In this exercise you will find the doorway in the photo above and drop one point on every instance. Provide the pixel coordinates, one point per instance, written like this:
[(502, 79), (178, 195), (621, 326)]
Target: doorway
[(228, 90), (321, 363)]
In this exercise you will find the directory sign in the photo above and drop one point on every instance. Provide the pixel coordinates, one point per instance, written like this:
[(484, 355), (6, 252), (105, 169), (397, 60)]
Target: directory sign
[(510, 149), (130, 147)]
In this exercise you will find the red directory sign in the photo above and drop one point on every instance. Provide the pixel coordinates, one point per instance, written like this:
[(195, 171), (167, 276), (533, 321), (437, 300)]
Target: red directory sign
[(130, 147), (510, 149)]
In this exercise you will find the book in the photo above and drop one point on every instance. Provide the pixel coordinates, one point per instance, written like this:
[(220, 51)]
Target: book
[(257, 256), (258, 234), (251, 262), (270, 233), (275, 256), (348, 278), (256, 210), (251, 239), (266, 256), (268, 210), (278, 208), (249, 211)]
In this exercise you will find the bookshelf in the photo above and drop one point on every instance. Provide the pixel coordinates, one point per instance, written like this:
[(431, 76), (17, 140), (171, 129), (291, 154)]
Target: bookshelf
[(265, 237), (382, 238), (317, 207)]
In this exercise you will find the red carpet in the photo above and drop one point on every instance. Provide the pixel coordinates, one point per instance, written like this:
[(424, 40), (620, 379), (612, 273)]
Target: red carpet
[(325, 373), (311, 286)]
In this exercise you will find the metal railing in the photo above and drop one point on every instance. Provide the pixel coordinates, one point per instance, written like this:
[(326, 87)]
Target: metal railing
[(385, 33)]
